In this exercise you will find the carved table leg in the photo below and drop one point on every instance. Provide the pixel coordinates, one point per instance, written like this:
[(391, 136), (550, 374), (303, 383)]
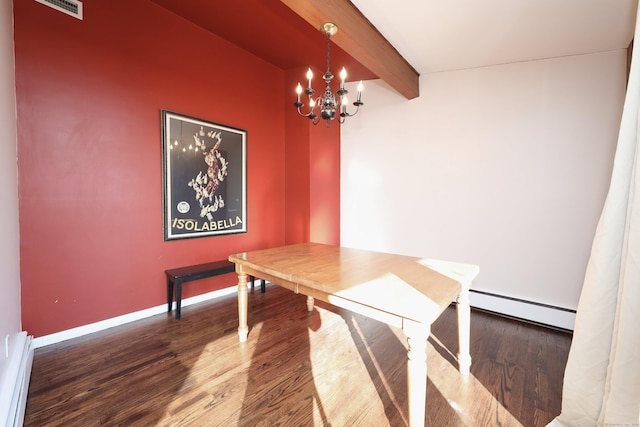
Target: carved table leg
[(464, 325), (310, 303), (243, 300), (417, 335)]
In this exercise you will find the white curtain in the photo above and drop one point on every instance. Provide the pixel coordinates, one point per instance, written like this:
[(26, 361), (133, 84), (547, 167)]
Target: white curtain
[(602, 377)]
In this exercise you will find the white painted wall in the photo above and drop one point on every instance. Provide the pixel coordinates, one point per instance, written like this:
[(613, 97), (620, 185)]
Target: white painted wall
[(9, 225), (16, 352), (504, 166)]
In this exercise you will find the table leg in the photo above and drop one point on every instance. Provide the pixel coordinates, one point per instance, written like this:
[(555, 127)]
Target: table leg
[(464, 336), (310, 303), (417, 335), (243, 301)]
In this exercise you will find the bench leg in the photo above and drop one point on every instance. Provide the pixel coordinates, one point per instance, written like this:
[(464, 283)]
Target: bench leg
[(178, 298), (169, 294), (263, 284)]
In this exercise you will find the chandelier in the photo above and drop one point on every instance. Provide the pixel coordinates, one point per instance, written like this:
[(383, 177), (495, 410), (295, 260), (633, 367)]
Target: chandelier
[(329, 105)]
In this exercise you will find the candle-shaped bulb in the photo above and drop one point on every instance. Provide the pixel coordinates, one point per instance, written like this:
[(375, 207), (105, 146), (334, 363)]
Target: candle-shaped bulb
[(299, 90), (312, 103), (343, 76), (359, 91), (309, 76)]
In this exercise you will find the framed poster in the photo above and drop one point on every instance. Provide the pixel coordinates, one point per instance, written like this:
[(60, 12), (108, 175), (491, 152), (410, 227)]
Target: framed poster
[(204, 177)]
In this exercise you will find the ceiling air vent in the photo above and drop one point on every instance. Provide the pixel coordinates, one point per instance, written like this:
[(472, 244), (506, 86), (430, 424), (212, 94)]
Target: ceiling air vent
[(70, 7)]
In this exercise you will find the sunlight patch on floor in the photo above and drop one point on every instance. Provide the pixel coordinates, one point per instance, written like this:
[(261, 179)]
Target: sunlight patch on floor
[(217, 389), (332, 366), (467, 396)]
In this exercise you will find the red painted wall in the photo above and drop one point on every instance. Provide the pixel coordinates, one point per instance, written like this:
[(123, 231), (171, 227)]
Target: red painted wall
[(312, 172), (297, 129), (324, 190), (89, 95)]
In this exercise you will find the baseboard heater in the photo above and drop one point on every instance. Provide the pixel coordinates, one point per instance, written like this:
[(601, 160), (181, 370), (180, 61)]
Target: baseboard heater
[(529, 311), (15, 373)]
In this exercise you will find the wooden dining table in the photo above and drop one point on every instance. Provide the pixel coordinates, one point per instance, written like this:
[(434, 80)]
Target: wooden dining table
[(402, 291)]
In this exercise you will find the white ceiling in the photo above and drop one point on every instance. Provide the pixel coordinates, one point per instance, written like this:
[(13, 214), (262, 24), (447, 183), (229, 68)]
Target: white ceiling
[(443, 35)]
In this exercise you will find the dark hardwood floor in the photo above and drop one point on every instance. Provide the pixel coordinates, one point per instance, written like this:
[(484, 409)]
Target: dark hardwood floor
[(326, 368)]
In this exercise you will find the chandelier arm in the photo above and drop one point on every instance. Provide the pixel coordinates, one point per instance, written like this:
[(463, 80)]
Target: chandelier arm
[(303, 114), (345, 114), (299, 105)]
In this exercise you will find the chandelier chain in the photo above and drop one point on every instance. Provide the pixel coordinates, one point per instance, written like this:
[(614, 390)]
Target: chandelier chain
[(328, 52)]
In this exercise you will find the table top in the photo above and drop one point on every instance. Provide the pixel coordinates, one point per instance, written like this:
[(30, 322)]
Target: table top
[(413, 288)]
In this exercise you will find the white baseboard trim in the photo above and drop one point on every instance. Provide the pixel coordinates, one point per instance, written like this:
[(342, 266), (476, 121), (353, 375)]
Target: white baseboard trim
[(15, 373), (520, 309), (535, 312), (126, 318)]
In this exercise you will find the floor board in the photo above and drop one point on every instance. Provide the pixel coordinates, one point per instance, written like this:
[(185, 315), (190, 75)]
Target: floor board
[(330, 367)]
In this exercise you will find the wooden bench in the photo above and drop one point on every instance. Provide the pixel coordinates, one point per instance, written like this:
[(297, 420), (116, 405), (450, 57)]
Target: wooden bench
[(177, 276)]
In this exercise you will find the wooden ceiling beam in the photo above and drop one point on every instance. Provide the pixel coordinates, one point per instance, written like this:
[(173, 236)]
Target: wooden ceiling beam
[(360, 39)]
